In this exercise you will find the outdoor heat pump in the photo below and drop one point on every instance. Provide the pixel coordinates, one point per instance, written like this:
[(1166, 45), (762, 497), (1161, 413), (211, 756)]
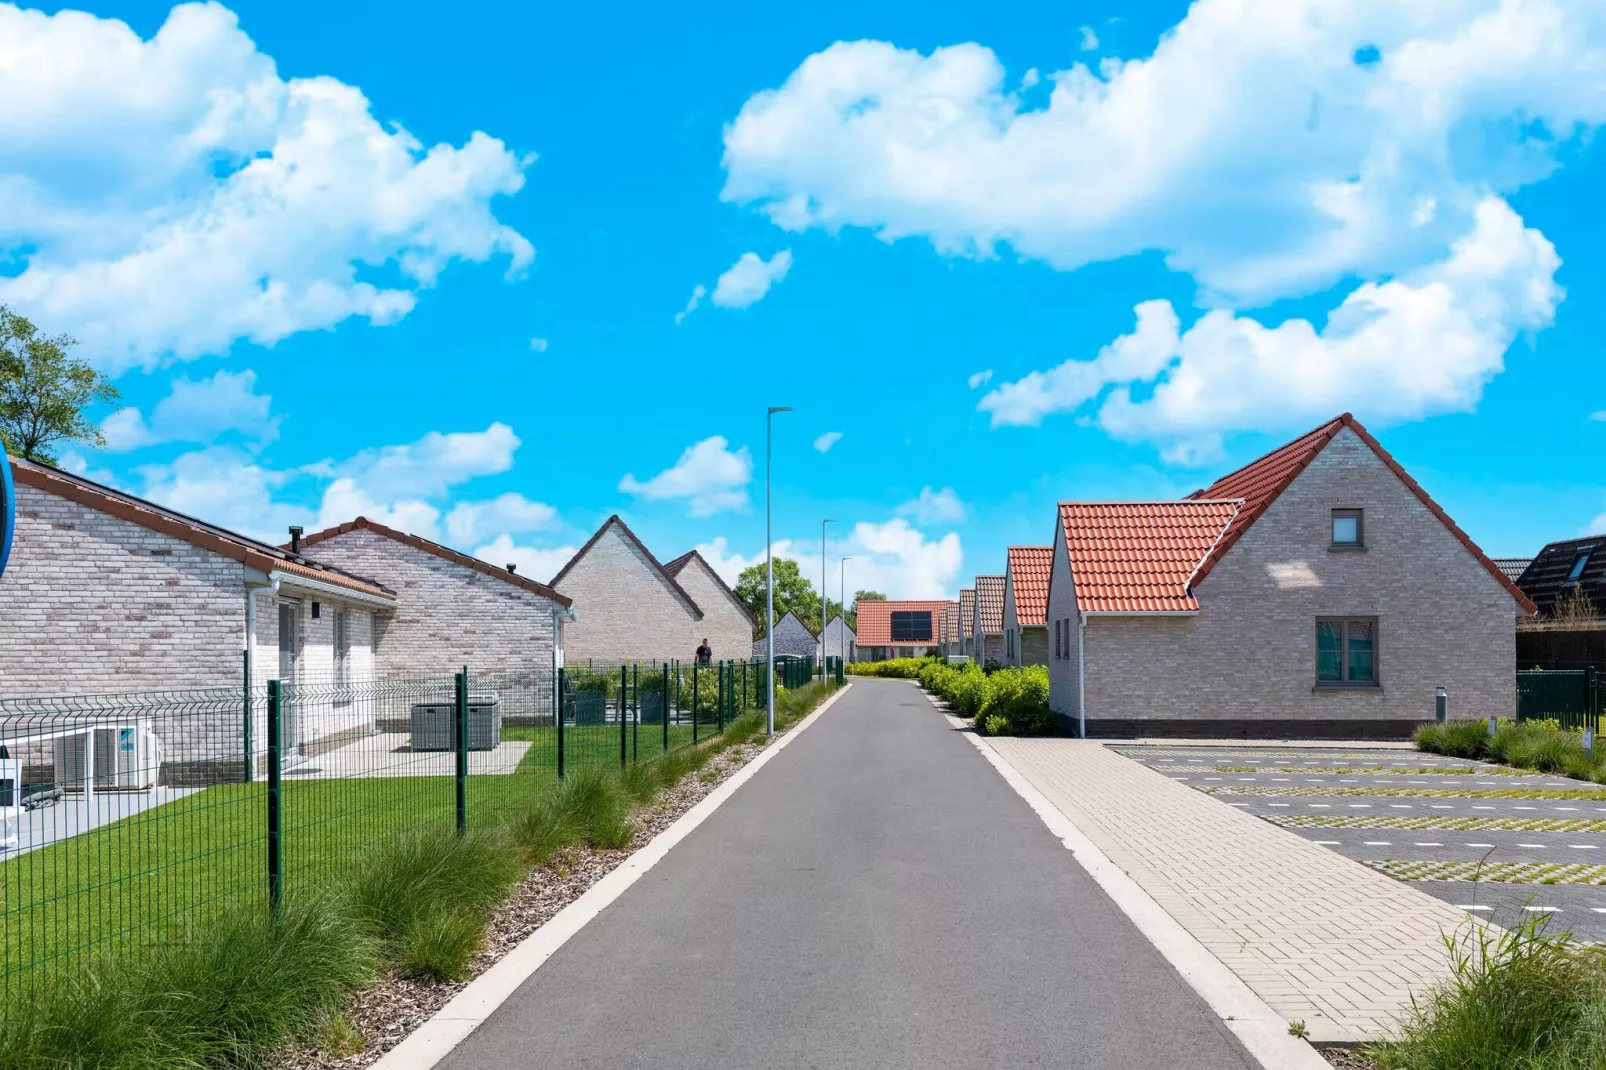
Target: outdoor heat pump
[(127, 758), (434, 724)]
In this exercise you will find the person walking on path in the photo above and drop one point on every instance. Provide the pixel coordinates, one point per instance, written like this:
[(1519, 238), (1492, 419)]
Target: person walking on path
[(705, 653)]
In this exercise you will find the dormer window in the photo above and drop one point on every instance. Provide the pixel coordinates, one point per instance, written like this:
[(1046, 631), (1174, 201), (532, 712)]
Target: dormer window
[(1580, 563), (1347, 530)]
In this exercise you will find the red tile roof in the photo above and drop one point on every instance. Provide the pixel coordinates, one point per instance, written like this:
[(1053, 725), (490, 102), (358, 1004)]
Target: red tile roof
[(1260, 482), (445, 553), (967, 611), (1138, 557), (990, 602), (1031, 566), (875, 622)]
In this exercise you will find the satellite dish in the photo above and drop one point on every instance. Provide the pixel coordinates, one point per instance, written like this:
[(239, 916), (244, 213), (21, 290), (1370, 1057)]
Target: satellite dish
[(8, 508)]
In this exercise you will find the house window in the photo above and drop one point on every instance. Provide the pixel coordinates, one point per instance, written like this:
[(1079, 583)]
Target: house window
[(342, 648), (909, 626), (1346, 652), (1579, 564), (1347, 529)]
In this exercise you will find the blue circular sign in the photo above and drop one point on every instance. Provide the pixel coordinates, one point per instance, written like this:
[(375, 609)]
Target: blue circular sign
[(8, 508)]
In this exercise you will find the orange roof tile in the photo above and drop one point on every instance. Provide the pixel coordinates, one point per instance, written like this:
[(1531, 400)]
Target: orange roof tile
[(1031, 566), (1137, 557), (875, 622), (990, 603), (1260, 482), (967, 611)]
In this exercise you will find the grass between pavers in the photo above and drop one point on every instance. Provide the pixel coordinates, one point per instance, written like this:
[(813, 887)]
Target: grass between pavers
[(1404, 792), (152, 875), (1520, 999), (1421, 770), (230, 989), (1497, 872), (1448, 823)]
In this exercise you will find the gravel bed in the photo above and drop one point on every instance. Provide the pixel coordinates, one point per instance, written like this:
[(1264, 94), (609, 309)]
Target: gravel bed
[(1347, 1059), (382, 1016)]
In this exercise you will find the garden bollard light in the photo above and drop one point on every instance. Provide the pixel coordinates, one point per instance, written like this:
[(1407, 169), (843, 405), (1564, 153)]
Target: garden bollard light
[(1589, 743), (1493, 725), (1440, 704)]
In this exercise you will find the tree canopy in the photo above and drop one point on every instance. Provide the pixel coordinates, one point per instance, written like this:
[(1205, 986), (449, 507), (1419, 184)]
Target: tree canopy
[(793, 592), (44, 391)]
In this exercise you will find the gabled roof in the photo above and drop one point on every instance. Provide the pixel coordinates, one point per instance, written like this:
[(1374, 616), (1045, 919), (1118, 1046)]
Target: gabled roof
[(445, 553), (1513, 567), (875, 622), (1031, 567), (948, 626), (990, 604), (1138, 557), (221, 541), (1545, 579), (850, 631), (1260, 482), (967, 611), (675, 567), (798, 620), (624, 529)]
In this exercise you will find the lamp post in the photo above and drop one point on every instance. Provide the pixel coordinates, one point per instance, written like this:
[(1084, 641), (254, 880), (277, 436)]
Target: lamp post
[(824, 610), (842, 602), (769, 578)]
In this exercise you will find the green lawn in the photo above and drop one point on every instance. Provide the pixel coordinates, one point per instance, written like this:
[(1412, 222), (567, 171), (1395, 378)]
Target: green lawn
[(146, 877)]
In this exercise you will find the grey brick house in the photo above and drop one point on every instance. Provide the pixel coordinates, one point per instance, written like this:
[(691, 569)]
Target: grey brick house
[(987, 625), (840, 640), (899, 629), (1318, 591), (967, 622), (627, 605), (792, 637), (107, 592), (726, 624), (1026, 605)]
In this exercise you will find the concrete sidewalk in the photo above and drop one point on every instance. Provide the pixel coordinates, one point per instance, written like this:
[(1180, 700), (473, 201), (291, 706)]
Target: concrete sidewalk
[(1319, 937), (876, 897)]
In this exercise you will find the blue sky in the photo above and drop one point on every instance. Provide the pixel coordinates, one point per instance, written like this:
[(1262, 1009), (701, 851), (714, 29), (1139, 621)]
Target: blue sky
[(1007, 254)]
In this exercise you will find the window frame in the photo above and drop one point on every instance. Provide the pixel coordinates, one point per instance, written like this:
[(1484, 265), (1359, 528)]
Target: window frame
[(1575, 572), (1359, 516), (1344, 683)]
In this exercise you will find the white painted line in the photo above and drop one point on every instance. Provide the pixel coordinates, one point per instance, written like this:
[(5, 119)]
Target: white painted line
[(451, 1025), (1583, 846), (1377, 843), (1399, 806), (1530, 845), (1480, 845), (1525, 807), (1257, 1026), (1427, 845), (1329, 843), (1483, 808), (1598, 910), (1280, 804), (1566, 807), (1441, 806), (1461, 907), (1543, 910)]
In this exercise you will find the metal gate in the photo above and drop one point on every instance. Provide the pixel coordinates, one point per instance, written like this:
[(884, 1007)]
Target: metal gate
[(1571, 696)]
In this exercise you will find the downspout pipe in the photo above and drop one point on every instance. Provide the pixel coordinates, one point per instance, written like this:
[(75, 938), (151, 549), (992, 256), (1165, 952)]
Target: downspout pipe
[(1081, 675)]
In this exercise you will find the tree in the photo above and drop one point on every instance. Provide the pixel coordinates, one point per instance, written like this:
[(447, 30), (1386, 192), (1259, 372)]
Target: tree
[(793, 592), (44, 391)]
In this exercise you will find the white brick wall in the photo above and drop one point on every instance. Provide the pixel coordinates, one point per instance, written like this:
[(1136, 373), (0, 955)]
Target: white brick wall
[(625, 608), (1062, 660), (1250, 653), (724, 624), (791, 637)]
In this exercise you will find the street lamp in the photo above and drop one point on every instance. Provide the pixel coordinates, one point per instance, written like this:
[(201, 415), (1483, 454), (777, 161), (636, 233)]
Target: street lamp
[(769, 578), (823, 623), (842, 605)]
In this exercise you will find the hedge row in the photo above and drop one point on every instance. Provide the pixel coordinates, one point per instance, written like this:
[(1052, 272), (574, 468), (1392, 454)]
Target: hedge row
[(1006, 702)]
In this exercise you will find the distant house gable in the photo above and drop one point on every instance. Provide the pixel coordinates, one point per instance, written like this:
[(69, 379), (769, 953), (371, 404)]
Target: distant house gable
[(1550, 575), (1029, 570), (629, 607), (693, 559), (613, 523)]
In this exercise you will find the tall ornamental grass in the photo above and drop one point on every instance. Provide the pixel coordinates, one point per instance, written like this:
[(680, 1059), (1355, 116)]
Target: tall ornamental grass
[(1543, 746)]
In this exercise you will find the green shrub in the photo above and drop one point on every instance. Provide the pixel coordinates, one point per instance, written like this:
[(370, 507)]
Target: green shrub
[(969, 691), (1020, 697), (427, 896), (895, 669), (1525, 1000), (1455, 739), (992, 725)]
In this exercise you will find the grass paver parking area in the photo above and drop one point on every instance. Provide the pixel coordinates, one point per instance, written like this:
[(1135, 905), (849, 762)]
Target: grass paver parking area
[(1497, 842)]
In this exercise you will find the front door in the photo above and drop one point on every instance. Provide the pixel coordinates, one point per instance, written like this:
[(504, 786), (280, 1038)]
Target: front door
[(289, 662)]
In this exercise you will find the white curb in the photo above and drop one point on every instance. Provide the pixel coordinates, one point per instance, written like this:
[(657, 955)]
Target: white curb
[(1255, 1024), (451, 1025)]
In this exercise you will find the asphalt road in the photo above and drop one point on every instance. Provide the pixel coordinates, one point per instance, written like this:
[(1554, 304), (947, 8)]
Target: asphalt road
[(1576, 908), (876, 896)]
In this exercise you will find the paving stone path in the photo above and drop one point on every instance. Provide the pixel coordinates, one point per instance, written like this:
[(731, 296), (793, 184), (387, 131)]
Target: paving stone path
[(1320, 937)]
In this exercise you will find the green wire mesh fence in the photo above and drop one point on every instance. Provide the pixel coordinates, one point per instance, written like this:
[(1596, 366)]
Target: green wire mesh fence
[(127, 819)]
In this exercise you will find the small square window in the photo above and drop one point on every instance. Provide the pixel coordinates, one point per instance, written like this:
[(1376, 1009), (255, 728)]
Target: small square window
[(1347, 529)]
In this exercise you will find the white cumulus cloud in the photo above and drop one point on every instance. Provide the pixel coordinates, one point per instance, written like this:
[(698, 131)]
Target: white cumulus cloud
[(538, 345), (171, 196), (709, 476), (827, 440), (697, 294), (538, 564), (507, 514), (197, 411), (934, 507), (746, 282), (981, 378)]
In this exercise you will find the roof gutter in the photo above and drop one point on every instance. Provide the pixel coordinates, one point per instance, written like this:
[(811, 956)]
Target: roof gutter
[(332, 590)]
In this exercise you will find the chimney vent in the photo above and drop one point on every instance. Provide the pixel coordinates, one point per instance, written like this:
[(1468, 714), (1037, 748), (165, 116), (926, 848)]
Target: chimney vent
[(295, 538), (512, 568)]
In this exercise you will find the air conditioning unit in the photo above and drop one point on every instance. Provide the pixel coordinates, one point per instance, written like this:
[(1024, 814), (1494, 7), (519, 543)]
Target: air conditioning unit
[(127, 758), (434, 724)]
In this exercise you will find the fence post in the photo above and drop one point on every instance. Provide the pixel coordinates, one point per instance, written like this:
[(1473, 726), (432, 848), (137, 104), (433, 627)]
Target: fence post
[(666, 707), (624, 713), (694, 668), (635, 709), (562, 687), (250, 771), (721, 693), (462, 750), (275, 872)]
